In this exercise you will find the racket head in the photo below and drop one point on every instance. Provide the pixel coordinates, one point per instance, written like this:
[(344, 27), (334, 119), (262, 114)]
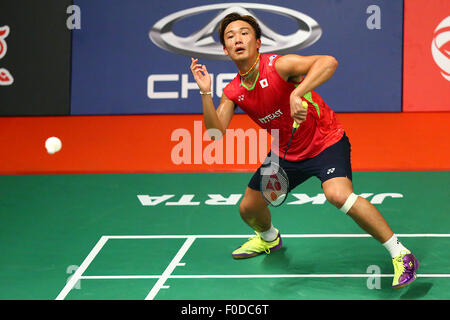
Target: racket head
[(274, 184)]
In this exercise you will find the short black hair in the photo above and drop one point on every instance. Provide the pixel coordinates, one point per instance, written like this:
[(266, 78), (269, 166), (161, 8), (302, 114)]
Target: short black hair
[(234, 17)]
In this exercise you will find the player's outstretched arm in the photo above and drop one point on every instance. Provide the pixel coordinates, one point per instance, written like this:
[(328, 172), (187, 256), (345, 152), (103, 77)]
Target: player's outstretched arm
[(214, 119)]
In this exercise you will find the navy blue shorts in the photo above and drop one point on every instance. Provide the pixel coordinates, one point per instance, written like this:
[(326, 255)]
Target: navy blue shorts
[(332, 162)]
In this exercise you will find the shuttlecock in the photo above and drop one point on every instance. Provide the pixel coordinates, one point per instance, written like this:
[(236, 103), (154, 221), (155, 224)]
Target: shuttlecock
[(53, 145)]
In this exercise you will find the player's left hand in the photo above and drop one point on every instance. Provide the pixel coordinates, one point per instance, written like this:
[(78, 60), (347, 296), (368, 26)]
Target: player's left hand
[(298, 111)]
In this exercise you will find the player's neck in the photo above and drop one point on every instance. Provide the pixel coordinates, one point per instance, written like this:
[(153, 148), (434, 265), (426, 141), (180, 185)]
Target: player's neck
[(249, 72), (247, 67), (251, 77)]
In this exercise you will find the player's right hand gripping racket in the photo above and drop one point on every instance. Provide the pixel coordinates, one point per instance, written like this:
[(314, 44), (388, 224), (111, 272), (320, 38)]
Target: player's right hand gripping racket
[(274, 184)]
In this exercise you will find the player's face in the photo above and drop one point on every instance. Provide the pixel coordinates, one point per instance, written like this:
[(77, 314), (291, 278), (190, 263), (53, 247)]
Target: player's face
[(240, 41)]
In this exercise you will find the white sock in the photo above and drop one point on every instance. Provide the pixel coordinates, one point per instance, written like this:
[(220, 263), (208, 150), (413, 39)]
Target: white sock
[(395, 247), (270, 234)]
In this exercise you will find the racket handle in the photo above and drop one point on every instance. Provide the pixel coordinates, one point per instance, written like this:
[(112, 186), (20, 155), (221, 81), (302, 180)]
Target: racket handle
[(305, 104), (295, 125)]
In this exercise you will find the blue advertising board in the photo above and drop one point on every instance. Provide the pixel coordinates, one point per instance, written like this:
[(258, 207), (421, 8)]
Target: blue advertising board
[(133, 56)]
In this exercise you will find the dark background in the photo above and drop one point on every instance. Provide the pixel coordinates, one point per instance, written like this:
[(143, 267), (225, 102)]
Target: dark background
[(38, 58)]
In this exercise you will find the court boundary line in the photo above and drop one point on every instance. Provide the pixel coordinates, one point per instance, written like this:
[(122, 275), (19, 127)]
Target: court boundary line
[(303, 235), (167, 274), (240, 276)]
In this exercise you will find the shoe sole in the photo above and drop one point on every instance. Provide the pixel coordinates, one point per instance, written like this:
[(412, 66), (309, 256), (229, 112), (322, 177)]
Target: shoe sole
[(245, 256), (416, 262)]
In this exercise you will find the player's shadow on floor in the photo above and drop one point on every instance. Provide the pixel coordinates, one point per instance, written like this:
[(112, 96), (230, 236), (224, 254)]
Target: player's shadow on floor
[(417, 291), (281, 262), (277, 258)]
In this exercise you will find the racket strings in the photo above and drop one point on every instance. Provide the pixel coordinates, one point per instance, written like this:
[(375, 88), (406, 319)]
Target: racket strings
[(274, 184)]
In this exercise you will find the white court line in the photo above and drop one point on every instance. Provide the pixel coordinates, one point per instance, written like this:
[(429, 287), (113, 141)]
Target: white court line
[(172, 265), (191, 238), (79, 272), (118, 277), (247, 276), (216, 236), (238, 276)]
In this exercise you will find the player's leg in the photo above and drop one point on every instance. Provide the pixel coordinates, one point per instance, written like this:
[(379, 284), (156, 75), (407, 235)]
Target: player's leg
[(337, 191), (255, 212), (336, 176)]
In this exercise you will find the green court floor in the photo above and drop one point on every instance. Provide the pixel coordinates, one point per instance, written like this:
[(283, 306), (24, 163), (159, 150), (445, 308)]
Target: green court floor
[(170, 237)]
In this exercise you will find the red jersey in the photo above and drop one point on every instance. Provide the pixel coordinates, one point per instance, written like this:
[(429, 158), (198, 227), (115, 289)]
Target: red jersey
[(268, 104)]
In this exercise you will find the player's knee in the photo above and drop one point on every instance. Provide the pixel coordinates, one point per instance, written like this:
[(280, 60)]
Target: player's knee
[(249, 208), (336, 197), (243, 208), (246, 208), (339, 198), (252, 203)]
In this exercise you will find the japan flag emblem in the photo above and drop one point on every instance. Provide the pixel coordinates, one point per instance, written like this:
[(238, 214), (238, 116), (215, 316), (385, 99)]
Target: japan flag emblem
[(264, 83)]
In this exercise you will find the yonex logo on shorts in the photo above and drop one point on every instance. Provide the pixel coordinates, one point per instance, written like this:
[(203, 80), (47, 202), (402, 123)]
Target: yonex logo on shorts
[(331, 170)]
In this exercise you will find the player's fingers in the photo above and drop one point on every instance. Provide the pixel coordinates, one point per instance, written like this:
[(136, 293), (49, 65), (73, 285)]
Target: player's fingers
[(300, 113), (295, 110), (193, 62), (298, 120), (301, 108), (197, 67), (199, 72)]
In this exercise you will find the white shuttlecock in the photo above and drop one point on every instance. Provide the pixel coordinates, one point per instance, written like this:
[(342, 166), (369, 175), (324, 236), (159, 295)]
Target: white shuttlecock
[(53, 145)]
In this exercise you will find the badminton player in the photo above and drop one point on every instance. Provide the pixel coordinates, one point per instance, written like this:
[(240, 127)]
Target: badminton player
[(270, 89)]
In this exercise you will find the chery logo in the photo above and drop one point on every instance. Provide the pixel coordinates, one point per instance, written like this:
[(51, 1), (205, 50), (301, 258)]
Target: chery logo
[(6, 78), (202, 44), (440, 47)]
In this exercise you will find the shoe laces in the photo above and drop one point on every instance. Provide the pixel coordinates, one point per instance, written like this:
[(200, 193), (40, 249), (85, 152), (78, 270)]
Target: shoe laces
[(256, 242), (399, 267)]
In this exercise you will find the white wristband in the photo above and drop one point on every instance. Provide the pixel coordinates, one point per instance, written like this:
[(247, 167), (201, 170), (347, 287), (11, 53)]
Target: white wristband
[(205, 93)]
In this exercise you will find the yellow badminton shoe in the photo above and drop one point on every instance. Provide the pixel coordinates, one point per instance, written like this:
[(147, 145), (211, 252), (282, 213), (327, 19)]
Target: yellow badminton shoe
[(257, 245), (405, 267)]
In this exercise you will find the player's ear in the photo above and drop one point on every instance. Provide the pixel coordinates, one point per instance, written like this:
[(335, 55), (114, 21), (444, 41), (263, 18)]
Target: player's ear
[(225, 50), (258, 44)]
